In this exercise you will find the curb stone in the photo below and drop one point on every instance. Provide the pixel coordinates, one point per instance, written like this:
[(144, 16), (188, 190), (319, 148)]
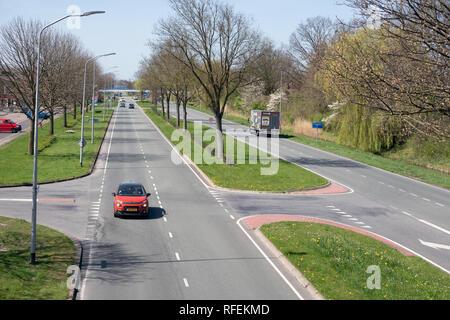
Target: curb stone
[(78, 262)]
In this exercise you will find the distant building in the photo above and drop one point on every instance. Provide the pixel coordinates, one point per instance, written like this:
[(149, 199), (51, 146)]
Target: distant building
[(6, 98)]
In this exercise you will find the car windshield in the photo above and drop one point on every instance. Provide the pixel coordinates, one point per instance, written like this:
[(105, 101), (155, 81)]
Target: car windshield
[(131, 190)]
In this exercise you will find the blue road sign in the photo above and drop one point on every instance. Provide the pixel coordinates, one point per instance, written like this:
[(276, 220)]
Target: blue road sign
[(317, 125)]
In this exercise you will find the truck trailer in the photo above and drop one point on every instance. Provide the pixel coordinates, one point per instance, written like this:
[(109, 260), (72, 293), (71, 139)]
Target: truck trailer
[(265, 122)]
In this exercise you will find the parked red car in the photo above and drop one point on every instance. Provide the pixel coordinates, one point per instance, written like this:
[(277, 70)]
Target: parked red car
[(131, 199), (7, 125)]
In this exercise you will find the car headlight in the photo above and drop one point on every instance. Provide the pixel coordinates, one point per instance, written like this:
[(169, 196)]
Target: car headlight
[(119, 203)]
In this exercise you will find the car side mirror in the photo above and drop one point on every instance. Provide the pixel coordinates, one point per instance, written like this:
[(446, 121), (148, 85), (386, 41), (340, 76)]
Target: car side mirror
[(148, 195), (114, 194)]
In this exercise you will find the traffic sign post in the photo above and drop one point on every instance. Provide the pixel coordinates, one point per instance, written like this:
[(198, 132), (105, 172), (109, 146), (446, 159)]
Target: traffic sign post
[(82, 143), (317, 126)]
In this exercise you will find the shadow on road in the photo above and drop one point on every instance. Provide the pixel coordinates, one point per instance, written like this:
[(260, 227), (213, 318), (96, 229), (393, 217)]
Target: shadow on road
[(155, 213), (325, 162)]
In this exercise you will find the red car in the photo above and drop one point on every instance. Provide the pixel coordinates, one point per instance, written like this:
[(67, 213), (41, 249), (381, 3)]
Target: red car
[(7, 125), (131, 199)]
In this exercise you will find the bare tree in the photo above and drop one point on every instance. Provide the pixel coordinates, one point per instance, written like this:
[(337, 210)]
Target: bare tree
[(58, 73), (310, 40), (218, 47), (18, 56)]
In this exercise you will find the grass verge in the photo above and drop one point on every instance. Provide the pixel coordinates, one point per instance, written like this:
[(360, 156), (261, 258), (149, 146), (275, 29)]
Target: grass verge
[(393, 165), (59, 157), (246, 176), (396, 166), (335, 261), (20, 280)]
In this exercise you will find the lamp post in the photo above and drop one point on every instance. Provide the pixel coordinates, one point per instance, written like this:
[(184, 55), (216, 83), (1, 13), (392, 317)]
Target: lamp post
[(104, 94), (82, 142), (93, 96), (281, 97), (35, 149)]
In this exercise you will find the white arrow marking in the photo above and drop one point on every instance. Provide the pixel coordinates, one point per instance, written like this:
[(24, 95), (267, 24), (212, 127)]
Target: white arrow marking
[(435, 245)]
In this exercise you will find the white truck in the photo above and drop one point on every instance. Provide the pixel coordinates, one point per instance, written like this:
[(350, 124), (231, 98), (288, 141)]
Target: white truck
[(265, 122)]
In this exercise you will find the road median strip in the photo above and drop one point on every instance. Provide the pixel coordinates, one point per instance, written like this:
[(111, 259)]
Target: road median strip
[(247, 177)]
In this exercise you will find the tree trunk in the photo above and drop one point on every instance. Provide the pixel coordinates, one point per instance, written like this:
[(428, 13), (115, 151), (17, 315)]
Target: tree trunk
[(74, 110), (168, 106), (185, 102), (178, 112), (52, 117), (65, 116), (219, 138), (185, 115), (155, 97), (162, 103)]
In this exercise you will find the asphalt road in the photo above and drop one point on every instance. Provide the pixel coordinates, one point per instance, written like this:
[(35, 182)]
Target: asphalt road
[(402, 209), (189, 248)]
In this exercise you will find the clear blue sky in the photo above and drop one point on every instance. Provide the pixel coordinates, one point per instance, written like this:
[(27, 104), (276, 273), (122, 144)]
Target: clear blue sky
[(127, 25)]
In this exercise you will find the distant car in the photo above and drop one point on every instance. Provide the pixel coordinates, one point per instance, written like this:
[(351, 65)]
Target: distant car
[(131, 106), (122, 105), (42, 115), (7, 125), (131, 199)]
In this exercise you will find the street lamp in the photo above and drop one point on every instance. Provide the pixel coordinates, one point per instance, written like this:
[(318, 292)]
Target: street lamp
[(35, 149), (93, 97), (82, 141), (104, 94), (281, 96)]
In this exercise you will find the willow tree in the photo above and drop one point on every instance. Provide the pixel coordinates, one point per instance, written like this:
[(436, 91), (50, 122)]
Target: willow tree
[(373, 70)]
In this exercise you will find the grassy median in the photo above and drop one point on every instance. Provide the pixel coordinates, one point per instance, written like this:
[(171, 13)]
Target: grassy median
[(393, 165), (20, 280), (287, 177), (59, 155), (335, 261)]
